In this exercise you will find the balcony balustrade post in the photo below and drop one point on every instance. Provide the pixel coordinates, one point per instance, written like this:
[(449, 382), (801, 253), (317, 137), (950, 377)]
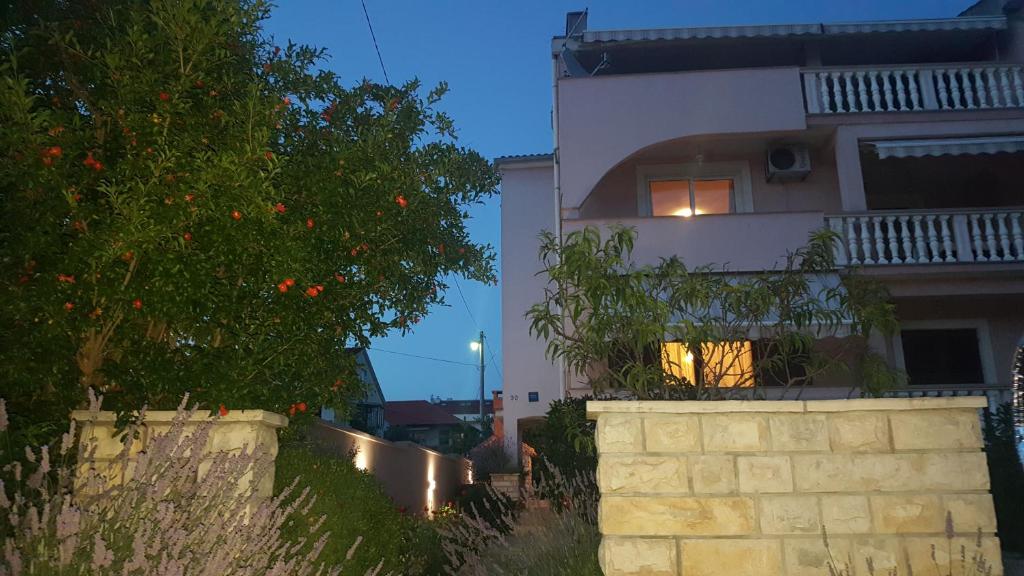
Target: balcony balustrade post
[(839, 248), (812, 94), (926, 80), (962, 238)]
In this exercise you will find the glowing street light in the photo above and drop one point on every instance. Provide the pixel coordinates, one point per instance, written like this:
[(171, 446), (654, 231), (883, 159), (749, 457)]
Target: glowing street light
[(478, 346)]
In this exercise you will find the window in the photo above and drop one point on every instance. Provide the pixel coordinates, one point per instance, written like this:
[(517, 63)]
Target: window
[(942, 356), (533, 397), (691, 197), (729, 364), (693, 189)]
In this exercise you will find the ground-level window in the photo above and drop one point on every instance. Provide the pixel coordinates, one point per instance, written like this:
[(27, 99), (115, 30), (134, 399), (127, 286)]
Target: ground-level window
[(942, 356), (723, 364)]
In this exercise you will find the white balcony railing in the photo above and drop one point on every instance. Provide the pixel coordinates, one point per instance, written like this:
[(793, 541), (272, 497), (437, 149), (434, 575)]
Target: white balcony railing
[(913, 88), (887, 238)]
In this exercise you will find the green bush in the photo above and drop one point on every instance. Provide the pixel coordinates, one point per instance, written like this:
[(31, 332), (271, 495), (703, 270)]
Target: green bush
[(356, 506), (1002, 442)]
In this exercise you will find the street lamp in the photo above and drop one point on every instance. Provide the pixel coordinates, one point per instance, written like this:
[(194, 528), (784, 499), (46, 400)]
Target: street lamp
[(478, 346)]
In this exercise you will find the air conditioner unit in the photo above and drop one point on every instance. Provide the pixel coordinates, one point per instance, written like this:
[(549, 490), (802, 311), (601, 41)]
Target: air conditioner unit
[(788, 163)]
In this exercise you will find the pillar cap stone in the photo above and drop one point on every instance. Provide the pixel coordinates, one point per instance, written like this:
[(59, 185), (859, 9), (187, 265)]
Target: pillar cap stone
[(272, 419), (597, 407)]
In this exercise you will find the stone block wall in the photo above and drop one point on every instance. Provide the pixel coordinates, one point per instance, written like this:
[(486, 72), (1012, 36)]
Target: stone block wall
[(745, 488), (249, 429)]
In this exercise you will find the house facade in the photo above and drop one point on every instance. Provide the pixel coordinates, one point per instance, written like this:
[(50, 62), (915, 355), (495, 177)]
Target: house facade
[(730, 145), (367, 413)]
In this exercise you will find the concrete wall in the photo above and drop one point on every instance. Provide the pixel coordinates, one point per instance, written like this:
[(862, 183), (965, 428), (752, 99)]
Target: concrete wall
[(527, 208), (603, 120), (415, 477), (738, 242), (745, 488), (253, 430)]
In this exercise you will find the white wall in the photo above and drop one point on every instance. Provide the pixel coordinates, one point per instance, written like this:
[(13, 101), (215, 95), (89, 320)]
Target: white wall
[(527, 208)]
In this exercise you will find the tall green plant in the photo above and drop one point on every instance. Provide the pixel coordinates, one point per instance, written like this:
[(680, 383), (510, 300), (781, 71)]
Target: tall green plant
[(190, 207), (606, 318)]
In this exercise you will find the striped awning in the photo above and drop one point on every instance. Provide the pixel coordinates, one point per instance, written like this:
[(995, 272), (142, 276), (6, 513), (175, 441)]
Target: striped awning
[(935, 25), (948, 146), (700, 33), (782, 30)]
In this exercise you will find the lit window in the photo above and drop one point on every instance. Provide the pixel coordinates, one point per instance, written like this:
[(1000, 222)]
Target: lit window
[(729, 364), (690, 197)]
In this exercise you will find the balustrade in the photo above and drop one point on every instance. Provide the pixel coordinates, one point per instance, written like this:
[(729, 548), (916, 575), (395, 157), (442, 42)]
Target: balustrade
[(914, 88), (883, 238)]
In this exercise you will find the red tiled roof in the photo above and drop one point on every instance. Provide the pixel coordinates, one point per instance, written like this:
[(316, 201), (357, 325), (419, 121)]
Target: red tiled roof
[(465, 406), (416, 413)]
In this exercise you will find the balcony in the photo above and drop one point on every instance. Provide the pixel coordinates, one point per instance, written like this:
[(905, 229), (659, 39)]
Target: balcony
[(913, 88), (932, 237)]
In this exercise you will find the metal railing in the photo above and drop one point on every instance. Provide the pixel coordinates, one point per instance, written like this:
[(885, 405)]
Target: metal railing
[(929, 237), (913, 88)]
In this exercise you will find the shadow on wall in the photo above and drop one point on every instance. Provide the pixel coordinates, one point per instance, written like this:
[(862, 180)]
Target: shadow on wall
[(418, 479)]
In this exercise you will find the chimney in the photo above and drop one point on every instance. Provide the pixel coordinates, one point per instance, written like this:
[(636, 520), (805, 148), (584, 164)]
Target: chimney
[(575, 23)]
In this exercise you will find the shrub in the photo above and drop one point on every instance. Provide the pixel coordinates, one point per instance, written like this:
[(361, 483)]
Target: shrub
[(1002, 445), (560, 540), (180, 511), (355, 505), (492, 457)]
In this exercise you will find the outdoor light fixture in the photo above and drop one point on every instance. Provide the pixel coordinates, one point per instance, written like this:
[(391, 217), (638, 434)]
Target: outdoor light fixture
[(474, 345)]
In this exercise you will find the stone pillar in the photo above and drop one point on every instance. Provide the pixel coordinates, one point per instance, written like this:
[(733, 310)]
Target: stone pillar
[(250, 429), (748, 488)]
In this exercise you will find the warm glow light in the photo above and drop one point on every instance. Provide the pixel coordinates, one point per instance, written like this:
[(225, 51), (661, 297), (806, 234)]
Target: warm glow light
[(686, 213), (727, 363), (431, 487), (361, 460), (474, 346)]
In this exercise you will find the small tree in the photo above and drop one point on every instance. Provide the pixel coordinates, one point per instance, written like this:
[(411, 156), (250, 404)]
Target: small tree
[(189, 207), (607, 319)]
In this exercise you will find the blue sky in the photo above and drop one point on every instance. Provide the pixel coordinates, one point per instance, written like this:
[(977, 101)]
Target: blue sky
[(495, 56)]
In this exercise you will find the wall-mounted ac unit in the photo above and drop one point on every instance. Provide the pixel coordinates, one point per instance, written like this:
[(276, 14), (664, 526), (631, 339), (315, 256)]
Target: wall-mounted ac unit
[(788, 163)]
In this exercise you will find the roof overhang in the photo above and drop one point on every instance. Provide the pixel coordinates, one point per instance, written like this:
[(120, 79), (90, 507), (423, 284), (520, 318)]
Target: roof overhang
[(524, 161)]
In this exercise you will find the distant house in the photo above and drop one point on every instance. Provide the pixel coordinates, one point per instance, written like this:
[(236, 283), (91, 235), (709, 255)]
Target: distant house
[(367, 414), (466, 410), (421, 422)]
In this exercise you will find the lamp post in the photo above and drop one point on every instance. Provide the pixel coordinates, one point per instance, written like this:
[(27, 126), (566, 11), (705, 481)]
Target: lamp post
[(478, 346)]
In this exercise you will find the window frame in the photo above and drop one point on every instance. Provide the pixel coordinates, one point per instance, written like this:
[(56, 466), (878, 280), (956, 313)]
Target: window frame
[(737, 171), (980, 327)]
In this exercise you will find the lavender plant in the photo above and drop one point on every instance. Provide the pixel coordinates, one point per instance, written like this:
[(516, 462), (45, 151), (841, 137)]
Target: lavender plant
[(558, 537), (172, 509), (968, 562)]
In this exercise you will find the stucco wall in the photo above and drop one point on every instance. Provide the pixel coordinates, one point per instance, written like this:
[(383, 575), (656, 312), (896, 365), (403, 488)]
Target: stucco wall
[(415, 477), (745, 488), (527, 208), (616, 194), (603, 120)]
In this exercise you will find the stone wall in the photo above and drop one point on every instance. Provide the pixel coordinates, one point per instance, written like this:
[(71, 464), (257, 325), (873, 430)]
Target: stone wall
[(250, 429), (745, 488)]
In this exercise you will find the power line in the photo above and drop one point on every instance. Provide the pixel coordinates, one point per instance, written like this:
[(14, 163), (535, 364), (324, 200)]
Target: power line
[(374, 37), (425, 357), (490, 352)]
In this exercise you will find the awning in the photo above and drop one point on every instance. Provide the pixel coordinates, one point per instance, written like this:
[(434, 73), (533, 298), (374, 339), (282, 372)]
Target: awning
[(935, 25), (783, 30), (700, 33), (947, 146)]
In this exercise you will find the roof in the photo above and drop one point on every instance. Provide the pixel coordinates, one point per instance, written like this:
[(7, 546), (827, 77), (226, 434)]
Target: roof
[(416, 413), (465, 406), (523, 158), (987, 22)]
